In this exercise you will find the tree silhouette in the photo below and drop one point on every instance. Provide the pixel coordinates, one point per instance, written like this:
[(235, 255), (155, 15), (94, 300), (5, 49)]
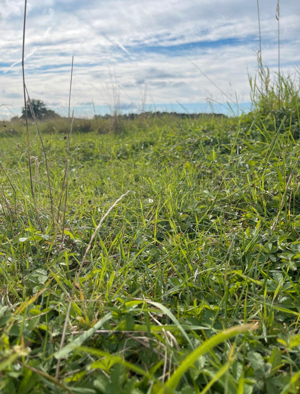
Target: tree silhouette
[(39, 109)]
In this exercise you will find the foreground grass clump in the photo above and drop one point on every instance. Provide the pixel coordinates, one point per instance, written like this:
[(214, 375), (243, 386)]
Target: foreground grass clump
[(207, 240)]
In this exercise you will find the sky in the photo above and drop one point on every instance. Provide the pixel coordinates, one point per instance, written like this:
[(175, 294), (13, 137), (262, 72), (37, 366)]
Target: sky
[(186, 56)]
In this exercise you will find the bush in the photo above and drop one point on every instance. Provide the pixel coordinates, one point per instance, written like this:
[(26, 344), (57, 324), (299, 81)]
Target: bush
[(56, 126), (83, 125), (273, 101)]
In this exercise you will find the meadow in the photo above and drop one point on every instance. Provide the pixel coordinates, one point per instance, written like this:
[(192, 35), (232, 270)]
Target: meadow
[(187, 284)]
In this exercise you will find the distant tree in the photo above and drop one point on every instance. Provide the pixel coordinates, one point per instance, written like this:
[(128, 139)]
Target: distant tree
[(40, 110)]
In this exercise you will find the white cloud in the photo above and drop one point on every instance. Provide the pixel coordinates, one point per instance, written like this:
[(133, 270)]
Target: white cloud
[(140, 44), (11, 8)]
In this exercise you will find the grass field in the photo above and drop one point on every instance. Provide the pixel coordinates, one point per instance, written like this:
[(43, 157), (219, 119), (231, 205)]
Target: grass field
[(191, 284)]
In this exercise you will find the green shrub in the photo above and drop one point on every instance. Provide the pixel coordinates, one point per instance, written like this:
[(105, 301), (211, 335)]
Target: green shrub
[(83, 125)]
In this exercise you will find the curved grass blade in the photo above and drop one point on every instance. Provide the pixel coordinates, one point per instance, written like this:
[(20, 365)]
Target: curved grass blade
[(293, 380), (173, 318), (202, 349), (217, 376)]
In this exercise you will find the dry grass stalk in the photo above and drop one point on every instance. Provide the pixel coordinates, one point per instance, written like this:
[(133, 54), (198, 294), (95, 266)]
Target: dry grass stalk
[(70, 93), (260, 61), (46, 160), (279, 72), (64, 184), (26, 118)]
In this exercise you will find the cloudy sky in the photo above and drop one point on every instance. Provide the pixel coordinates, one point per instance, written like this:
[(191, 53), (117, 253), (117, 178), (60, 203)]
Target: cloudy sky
[(169, 54)]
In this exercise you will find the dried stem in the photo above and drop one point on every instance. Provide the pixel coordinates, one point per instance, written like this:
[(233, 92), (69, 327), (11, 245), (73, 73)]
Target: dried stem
[(279, 72), (260, 61), (68, 153), (66, 184), (46, 160), (26, 117), (69, 112)]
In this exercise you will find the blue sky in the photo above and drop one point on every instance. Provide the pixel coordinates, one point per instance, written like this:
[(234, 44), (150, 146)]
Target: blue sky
[(141, 54)]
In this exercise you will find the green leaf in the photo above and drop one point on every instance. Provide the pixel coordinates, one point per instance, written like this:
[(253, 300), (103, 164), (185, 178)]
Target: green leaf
[(295, 341), (28, 382), (275, 359), (35, 312), (118, 375), (282, 341), (256, 361), (101, 383), (3, 309), (107, 363), (187, 390), (100, 353)]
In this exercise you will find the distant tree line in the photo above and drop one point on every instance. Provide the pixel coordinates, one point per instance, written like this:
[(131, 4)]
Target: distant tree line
[(41, 112), (159, 114)]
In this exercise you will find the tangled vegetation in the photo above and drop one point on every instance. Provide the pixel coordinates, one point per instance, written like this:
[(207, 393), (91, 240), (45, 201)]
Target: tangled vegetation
[(191, 284)]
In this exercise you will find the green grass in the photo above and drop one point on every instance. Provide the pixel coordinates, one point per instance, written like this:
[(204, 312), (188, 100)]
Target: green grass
[(187, 258)]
